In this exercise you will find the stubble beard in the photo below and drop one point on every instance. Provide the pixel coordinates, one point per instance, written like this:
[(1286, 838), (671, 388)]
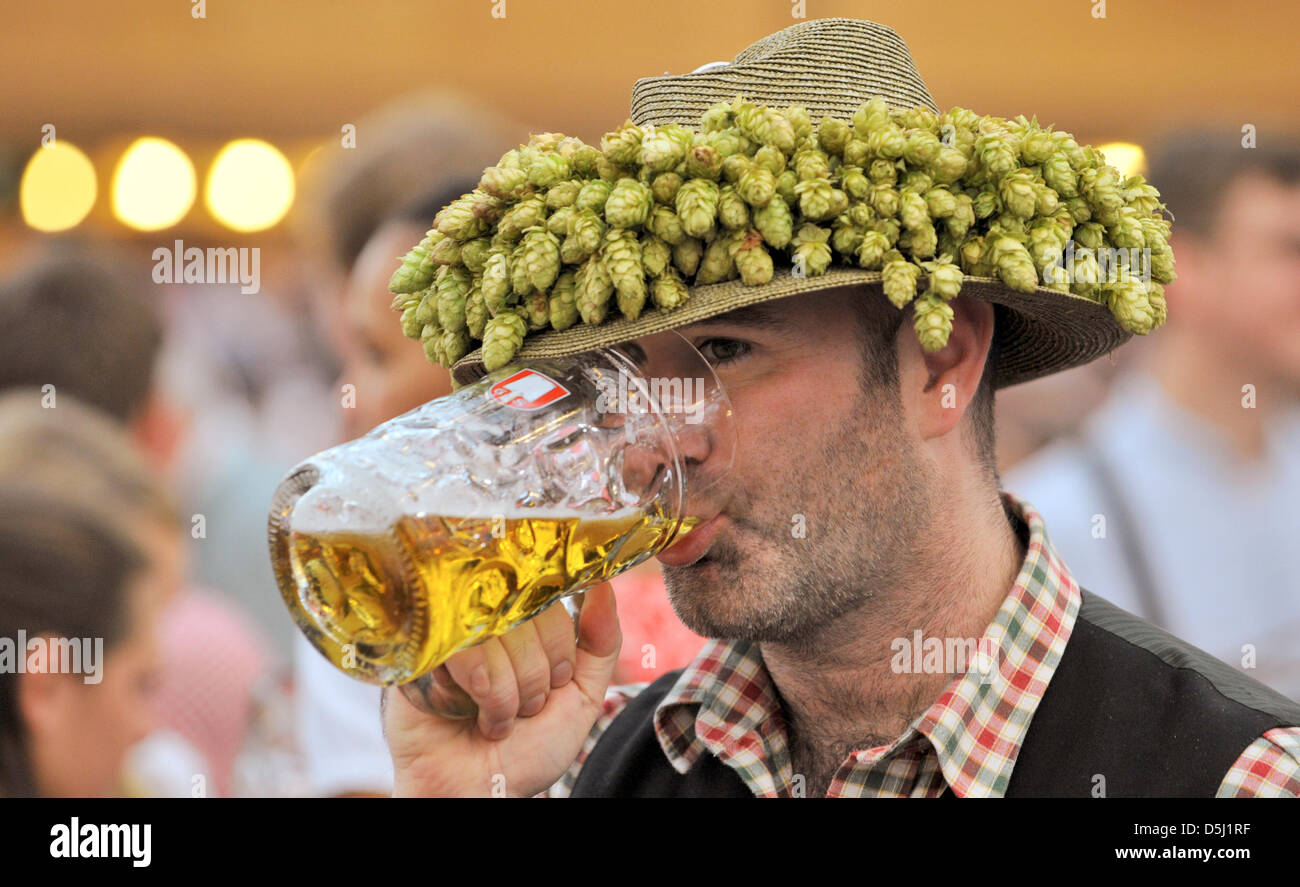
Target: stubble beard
[(864, 505)]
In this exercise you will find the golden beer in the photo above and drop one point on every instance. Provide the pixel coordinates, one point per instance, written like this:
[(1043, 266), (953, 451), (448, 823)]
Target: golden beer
[(390, 606)]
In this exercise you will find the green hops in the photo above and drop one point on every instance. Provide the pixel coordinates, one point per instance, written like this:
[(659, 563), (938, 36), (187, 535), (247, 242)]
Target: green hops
[(718, 263), (752, 259), (945, 279), (697, 205), (563, 305), (687, 255), (523, 215), (629, 204), (933, 320), (765, 126), (1129, 302), (833, 135), (665, 225), (496, 281), (1014, 265), (771, 159), (623, 145), (732, 210), (664, 188), (541, 257), (453, 287), (503, 336), (593, 195), (668, 291), (756, 185), (872, 249), (415, 272), (474, 254), (655, 255), (593, 289), (775, 222), (548, 169), (703, 162), (536, 310), (621, 256), (663, 148), (949, 165), (469, 216), (410, 326), (996, 154), (1018, 195), (912, 210), (898, 278), (476, 312), (502, 182), (812, 253), (818, 199)]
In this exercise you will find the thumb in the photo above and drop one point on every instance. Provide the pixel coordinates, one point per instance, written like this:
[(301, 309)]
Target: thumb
[(599, 641)]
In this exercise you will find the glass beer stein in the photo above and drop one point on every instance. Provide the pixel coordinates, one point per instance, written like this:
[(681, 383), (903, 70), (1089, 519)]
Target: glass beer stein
[(466, 516)]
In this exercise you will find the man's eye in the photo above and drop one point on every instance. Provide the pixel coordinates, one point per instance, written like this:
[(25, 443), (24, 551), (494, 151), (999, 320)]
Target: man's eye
[(720, 351)]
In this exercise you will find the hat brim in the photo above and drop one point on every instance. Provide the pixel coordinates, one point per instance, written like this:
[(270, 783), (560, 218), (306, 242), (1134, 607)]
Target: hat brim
[(1038, 333)]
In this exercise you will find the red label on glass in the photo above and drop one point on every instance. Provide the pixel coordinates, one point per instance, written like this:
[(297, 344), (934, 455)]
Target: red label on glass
[(529, 390)]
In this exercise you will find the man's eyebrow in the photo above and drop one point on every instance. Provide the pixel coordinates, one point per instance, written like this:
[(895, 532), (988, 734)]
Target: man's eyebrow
[(758, 316)]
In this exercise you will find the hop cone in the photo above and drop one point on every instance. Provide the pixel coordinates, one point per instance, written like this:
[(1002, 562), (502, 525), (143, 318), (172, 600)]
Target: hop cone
[(771, 159), (703, 162), (949, 165), (756, 185), (453, 287), (410, 326), (621, 255), (503, 336), (656, 254), (732, 210), (697, 205), (752, 259), (1014, 265), (945, 279), (846, 237), (662, 149), (415, 273), (997, 155), (665, 225), (765, 126), (940, 202), (1060, 176), (623, 145), (1090, 234), (816, 199), (629, 204), (775, 222), (1018, 194), (833, 135), (503, 183), (899, 280), (717, 264), (496, 282), (884, 200), (921, 148), (536, 310), (1129, 302), (593, 195), (548, 169), (687, 255), (541, 257), (474, 254), (664, 188), (593, 290), (912, 210), (933, 321), (812, 252), (872, 249), (668, 290), (523, 215), (562, 305), (476, 312)]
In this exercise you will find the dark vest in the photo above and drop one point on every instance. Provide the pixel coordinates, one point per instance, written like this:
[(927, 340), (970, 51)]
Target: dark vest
[(1153, 715)]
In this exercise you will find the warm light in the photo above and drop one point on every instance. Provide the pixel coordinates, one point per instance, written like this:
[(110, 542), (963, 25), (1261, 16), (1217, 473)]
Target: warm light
[(250, 185), (154, 185), (1126, 157), (58, 187)]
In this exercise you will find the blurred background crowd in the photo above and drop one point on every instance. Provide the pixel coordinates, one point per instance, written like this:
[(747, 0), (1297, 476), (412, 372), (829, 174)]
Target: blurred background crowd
[(146, 420)]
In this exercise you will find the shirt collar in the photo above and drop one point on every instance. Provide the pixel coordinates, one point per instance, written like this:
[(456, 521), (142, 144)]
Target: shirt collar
[(724, 702)]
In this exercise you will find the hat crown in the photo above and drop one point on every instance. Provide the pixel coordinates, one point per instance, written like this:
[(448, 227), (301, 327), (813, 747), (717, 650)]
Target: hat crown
[(830, 66)]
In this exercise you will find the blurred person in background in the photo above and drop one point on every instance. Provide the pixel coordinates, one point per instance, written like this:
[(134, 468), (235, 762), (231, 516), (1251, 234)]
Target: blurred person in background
[(71, 318), (426, 151), (1181, 495), (89, 548)]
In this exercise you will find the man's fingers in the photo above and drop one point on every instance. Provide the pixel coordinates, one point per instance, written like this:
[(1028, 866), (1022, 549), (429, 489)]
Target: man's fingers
[(599, 640), (556, 630), (485, 672), (532, 669)]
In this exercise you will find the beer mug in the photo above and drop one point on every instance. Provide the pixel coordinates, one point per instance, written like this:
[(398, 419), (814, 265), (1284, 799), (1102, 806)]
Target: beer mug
[(466, 516)]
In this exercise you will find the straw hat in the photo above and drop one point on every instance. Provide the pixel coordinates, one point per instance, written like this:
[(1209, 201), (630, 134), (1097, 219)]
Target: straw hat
[(830, 66)]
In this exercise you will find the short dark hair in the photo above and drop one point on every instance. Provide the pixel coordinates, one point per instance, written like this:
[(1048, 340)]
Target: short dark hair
[(74, 321), (65, 572), (880, 322), (1193, 169)]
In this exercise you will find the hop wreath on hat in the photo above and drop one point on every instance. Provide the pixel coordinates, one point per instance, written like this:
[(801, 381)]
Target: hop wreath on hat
[(560, 233)]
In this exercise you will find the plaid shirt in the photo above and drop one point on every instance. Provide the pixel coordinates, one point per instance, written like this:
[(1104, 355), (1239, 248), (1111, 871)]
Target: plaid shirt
[(724, 704)]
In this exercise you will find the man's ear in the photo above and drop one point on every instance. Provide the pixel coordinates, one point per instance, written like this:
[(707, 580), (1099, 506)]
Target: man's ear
[(940, 385)]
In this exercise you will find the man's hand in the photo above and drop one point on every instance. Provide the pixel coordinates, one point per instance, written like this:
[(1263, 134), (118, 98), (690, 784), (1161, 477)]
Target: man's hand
[(538, 694)]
